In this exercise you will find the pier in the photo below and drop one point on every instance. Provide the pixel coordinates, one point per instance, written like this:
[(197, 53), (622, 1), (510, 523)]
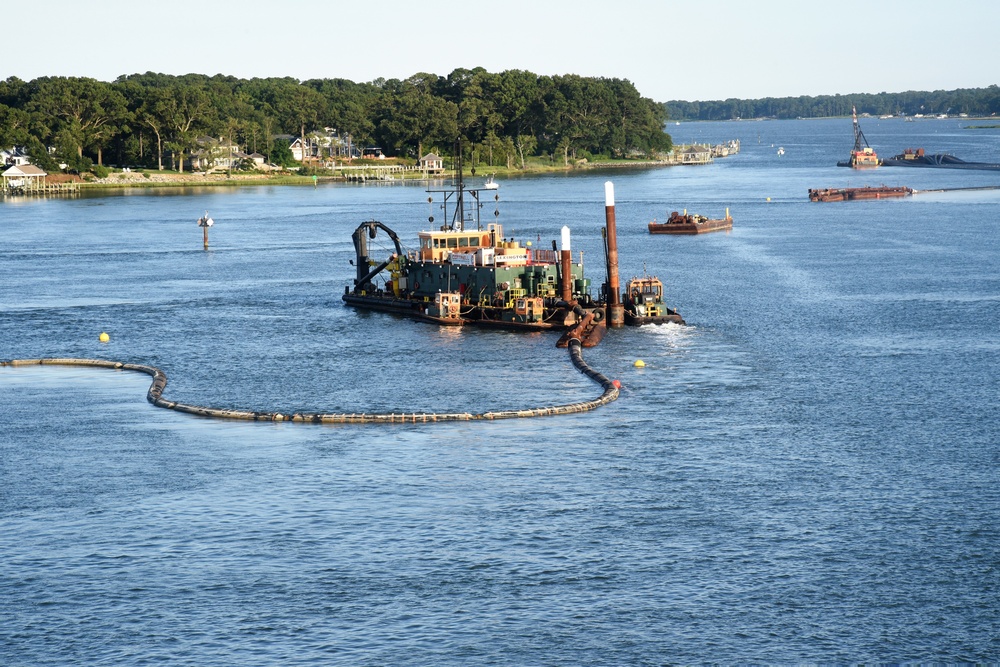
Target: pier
[(27, 179), (369, 172), (39, 189)]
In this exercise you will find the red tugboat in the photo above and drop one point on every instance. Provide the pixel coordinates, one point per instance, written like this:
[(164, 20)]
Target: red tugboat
[(682, 223), (867, 192), (863, 156)]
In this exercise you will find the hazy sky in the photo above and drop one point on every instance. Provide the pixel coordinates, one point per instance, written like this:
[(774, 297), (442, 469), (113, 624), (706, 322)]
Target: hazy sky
[(690, 50)]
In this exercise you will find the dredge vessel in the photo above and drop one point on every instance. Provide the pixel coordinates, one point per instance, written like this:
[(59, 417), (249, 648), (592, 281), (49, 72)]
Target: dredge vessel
[(862, 155), (468, 273)]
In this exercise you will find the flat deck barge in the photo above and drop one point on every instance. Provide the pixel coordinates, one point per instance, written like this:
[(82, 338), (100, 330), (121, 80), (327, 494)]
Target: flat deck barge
[(867, 192), (686, 223)]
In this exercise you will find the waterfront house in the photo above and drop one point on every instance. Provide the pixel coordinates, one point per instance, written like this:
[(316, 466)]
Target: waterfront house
[(15, 156), (213, 153), (299, 151), (320, 145)]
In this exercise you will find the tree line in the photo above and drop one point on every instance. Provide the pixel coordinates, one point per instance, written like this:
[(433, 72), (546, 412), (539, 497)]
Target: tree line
[(138, 119), (972, 101)]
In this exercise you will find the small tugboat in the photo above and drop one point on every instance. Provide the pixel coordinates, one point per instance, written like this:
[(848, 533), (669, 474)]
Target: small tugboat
[(867, 192), (683, 223), (862, 156), (465, 273), (915, 157), (643, 300)]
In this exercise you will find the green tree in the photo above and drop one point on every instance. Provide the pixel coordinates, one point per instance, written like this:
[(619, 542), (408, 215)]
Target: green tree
[(183, 107), (91, 110), (409, 118), (281, 154), (14, 127), (516, 96), (526, 144), (298, 107), (154, 112)]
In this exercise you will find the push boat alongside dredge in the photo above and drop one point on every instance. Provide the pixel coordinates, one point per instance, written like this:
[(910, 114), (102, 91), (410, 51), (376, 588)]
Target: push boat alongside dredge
[(465, 273), (644, 302), (683, 223)]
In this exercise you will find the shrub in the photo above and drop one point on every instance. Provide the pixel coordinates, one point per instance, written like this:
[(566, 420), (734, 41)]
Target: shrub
[(78, 165)]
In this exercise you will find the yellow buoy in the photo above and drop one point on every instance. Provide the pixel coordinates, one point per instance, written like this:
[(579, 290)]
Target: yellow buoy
[(768, 199), (104, 337), (639, 363)]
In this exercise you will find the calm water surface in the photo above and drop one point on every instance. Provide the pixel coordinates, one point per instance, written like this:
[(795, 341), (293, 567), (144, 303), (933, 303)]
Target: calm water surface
[(807, 472)]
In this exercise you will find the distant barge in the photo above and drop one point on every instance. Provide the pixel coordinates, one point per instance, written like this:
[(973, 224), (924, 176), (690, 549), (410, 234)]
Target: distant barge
[(915, 157), (679, 223), (867, 192)]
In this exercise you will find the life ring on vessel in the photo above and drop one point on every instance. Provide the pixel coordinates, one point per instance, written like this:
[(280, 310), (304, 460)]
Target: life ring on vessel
[(416, 285)]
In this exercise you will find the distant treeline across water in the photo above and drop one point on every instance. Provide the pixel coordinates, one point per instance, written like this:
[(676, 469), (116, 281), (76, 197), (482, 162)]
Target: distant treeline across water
[(971, 101)]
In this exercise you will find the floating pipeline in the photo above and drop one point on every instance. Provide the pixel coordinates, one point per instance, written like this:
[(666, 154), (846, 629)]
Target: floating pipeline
[(155, 396)]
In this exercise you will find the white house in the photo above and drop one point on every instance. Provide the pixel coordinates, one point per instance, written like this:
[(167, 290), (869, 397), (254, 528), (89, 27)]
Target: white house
[(214, 154), (298, 151), (15, 156)]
